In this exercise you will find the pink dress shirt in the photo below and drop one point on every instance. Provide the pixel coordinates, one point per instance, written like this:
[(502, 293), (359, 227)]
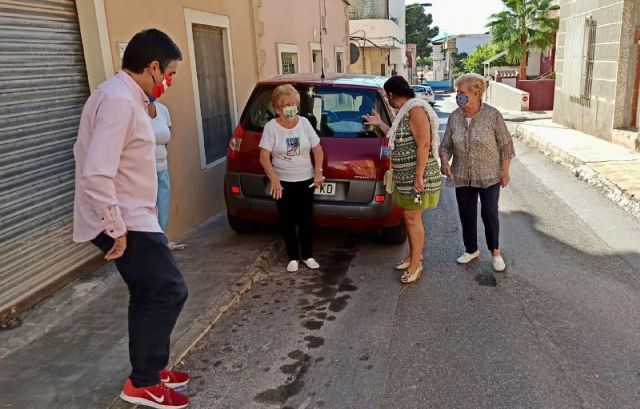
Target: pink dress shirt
[(116, 183)]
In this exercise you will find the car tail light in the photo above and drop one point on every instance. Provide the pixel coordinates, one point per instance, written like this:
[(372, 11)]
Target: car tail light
[(235, 142), (235, 190), (380, 198), (385, 155)]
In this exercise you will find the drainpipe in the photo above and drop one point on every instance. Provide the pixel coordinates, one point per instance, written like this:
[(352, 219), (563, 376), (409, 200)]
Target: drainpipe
[(636, 82)]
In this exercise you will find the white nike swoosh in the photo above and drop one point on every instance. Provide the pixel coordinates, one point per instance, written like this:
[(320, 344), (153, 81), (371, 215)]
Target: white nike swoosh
[(165, 380), (156, 398)]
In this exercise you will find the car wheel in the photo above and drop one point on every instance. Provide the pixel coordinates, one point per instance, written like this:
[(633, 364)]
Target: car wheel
[(239, 225), (395, 235)]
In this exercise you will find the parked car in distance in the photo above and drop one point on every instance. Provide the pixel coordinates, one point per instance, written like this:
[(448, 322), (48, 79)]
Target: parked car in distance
[(424, 91), (356, 156)]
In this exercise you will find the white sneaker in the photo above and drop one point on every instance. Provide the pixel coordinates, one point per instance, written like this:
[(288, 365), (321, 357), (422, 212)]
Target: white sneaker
[(292, 267), (498, 264), (311, 263), (466, 257)]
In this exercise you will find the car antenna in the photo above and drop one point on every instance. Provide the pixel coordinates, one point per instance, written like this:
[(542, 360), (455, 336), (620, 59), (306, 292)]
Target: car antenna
[(322, 25)]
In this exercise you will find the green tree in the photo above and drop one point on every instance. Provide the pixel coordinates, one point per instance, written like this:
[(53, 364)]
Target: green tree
[(419, 30), (459, 62), (424, 61), (524, 25), (474, 63)]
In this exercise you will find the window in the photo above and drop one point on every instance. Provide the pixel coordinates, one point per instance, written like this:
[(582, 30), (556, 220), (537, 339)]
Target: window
[(339, 62), (316, 63), (333, 111), (289, 63), (579, 57)]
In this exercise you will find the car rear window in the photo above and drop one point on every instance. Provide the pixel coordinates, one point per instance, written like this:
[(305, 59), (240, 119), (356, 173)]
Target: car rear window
[(419, 89), (333, 111)]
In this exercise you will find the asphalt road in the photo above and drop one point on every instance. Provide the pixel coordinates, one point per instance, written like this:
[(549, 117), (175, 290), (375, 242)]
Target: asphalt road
[(560, 329)]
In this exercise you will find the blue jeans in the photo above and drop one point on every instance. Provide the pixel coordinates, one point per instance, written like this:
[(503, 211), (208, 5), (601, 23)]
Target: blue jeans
[(164, 198)]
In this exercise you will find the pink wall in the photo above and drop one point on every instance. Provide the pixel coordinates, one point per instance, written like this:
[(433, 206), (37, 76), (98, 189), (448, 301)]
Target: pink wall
[(541, 93), (298, 23)]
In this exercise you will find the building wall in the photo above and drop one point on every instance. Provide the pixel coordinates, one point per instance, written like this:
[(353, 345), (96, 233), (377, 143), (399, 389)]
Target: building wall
[(368, 9), (197, 193), (613, 70), (300, 26), (379, 35), (370, 62), (533, 63), (399, 55), (439, 63), (506, 97)]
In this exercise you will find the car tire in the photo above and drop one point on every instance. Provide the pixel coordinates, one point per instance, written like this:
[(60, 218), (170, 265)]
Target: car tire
[(395, 235), (240, 226)]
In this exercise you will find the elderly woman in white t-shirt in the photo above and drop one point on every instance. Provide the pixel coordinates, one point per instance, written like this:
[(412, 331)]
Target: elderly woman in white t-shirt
[(285, 148)]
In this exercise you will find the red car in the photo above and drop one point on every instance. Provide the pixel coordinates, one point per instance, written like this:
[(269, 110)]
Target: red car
[(356, 155)]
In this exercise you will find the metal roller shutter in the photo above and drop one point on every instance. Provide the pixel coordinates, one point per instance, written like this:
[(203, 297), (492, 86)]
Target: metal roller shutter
[(44, 87)]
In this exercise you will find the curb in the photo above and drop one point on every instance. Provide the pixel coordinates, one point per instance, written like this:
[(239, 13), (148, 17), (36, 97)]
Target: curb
[(199, 327), (581, 170)]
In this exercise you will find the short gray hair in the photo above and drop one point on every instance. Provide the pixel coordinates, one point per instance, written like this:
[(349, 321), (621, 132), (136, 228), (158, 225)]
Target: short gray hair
[(475, 81), (281, 91)]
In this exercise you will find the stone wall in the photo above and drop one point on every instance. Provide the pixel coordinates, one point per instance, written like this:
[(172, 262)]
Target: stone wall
[(613, 69)]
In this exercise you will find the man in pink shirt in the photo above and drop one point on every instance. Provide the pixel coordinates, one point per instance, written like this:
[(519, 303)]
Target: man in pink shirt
[(115, 209)]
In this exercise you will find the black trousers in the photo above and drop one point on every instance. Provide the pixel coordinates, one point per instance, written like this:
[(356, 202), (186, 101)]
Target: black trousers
[(157, 292), (467, 198), (295, 209)]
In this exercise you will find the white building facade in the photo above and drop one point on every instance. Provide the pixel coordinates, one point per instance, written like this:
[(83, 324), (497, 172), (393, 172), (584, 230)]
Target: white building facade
[(377, 29)]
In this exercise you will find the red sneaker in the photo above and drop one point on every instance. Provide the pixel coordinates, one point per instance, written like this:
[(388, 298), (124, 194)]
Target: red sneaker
[(174, 380), (157, 396)]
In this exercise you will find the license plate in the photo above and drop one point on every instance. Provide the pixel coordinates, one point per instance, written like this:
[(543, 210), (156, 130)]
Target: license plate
[(326, 189)]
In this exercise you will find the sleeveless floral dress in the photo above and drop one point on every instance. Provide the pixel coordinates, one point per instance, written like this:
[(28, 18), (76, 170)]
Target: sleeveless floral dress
[(403, 162)]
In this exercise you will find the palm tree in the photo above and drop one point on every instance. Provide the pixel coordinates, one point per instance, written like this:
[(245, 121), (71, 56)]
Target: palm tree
[(524, 25)]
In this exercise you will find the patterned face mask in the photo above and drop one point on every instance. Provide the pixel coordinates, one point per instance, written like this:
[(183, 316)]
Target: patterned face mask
[(462, 100), (290, 112)]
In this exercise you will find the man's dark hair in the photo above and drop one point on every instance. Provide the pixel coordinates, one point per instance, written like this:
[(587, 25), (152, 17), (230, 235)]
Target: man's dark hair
[(148, 46), (399, 87)]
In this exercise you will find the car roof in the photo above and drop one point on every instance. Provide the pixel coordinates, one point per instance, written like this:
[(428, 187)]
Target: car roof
[(357, 80)]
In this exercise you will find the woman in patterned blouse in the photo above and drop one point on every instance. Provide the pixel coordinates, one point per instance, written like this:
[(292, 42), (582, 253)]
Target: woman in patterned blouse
[(413, 141), (481, 146)]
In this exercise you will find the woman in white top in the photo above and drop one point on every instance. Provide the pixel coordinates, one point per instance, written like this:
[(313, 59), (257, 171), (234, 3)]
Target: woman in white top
[(285, 148), (161, 124)]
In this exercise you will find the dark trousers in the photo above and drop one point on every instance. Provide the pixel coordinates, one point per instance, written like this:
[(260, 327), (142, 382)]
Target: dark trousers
[(467, 198), (157, 292), (295, 209)]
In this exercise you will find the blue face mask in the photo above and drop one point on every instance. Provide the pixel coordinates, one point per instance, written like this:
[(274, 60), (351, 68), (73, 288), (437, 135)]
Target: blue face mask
[(462, 100)]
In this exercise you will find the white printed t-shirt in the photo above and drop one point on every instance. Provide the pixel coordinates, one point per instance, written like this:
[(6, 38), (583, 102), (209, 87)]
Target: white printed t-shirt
[(290, 149)]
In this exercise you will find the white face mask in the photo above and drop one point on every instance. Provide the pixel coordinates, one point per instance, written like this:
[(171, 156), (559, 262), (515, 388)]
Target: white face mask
[(290, 112)]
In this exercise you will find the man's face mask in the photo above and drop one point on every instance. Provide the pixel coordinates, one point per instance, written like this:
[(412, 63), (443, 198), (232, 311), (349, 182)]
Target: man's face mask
[(160, 88), (290, 112), (462, 100)]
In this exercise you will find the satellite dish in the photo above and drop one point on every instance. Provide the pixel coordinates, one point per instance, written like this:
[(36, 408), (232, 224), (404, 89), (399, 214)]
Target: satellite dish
[(355, 53)]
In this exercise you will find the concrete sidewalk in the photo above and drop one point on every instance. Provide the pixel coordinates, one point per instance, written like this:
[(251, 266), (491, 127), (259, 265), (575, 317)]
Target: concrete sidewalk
[(71, 351), (611, 168)]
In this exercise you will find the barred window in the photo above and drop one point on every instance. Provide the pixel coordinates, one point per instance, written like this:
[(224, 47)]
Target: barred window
[(579, 58), (289, 63)]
